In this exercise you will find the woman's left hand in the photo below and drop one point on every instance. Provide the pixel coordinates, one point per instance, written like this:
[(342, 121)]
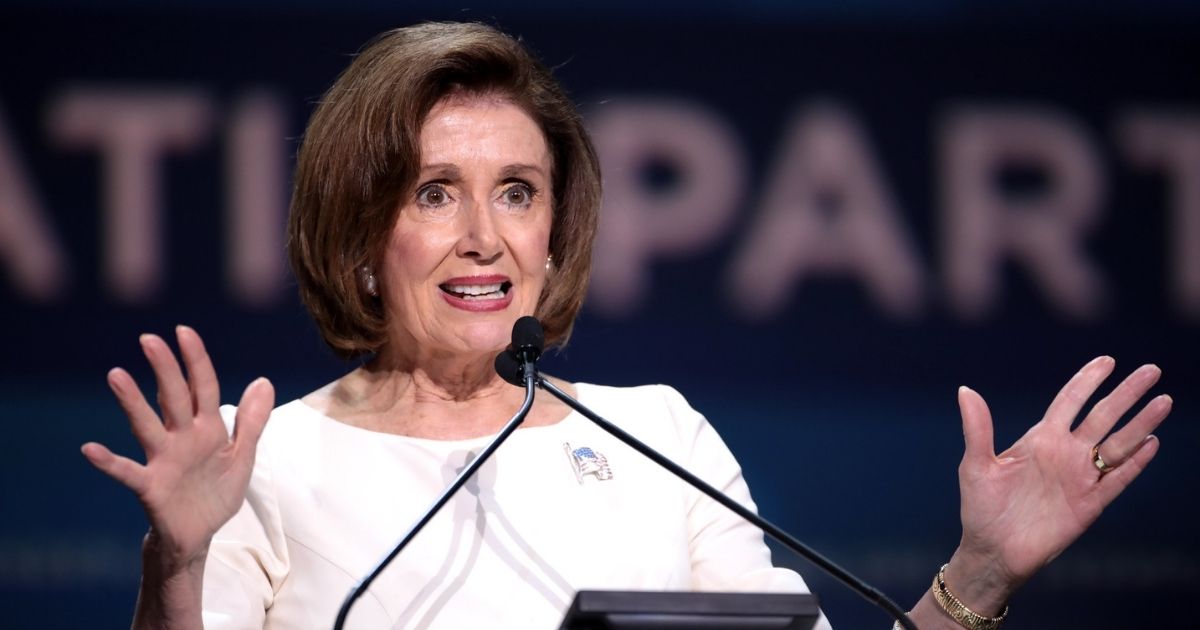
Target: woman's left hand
[(1023, 507)]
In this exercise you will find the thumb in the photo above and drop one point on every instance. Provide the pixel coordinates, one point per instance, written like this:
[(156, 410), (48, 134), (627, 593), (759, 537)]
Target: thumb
[(124, 470), (252, 413), (977, 426)]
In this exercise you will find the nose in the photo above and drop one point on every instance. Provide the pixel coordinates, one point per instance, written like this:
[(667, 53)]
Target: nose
[(479, 239)]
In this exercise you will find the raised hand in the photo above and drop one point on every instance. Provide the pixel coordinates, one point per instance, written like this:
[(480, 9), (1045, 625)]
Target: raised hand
[(1023, 507), (195, 476)]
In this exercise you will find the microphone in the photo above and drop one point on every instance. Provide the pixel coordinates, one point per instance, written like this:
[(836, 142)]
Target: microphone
[(518, 369), (509, 368), (528, 339), (519, 361), (514, 371)]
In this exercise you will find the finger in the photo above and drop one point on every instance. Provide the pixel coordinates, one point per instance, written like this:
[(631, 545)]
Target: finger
[(144, 423), (1122, 444), (1105, 414), (174, 397), (1075, 393), (977, 426), (126, 471), (200, 374), (252, 413), (1114, 482)]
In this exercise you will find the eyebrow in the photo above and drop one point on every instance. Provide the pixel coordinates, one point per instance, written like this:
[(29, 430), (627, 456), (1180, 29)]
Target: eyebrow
[(452, 172), (445, 171), (513, 170)]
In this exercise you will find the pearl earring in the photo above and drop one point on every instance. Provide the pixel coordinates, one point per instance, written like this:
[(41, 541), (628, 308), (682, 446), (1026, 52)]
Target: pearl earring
[(549, 263), (370, 283)]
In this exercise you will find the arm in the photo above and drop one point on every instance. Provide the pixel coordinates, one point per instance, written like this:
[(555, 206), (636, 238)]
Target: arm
[(727, 552), (169, 595), (1023, 507), (195, 475)]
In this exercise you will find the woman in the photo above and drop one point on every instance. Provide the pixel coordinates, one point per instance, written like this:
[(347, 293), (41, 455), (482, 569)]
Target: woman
[(445, 187)]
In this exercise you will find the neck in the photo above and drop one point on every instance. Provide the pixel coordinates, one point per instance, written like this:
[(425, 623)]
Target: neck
[(439, 397), (439, 376)]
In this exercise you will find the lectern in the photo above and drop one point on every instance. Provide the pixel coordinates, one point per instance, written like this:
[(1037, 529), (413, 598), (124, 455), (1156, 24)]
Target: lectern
[(656, 610)]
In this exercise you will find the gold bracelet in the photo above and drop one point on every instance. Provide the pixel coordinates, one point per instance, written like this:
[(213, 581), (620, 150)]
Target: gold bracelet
[(958, 611)]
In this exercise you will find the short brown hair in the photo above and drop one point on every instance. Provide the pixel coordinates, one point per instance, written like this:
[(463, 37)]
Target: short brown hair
[(361, 154)]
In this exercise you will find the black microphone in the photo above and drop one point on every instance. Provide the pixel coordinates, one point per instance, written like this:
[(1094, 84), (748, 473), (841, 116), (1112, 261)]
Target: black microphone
[(519, 361), (509, 368), (526, 339), (514, 373)]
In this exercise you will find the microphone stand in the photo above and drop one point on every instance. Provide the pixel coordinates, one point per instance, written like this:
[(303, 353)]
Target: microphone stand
[(530, 375), (868, 592)]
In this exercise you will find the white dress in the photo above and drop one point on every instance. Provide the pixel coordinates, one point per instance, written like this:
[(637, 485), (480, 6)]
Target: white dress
[(328, 500)]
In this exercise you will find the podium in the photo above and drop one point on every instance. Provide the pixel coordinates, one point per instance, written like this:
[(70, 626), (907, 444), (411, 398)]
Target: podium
[(656, 610)]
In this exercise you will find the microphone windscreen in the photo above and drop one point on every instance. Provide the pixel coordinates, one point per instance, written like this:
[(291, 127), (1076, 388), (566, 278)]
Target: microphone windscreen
[(509, 368), (527, 335)]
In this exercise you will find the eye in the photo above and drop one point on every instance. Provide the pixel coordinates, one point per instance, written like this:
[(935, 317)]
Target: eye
[(518, 194), (432, 195)]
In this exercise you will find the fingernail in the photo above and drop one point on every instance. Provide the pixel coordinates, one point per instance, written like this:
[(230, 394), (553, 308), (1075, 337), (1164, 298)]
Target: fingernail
[(1144, 374), (113, 379)]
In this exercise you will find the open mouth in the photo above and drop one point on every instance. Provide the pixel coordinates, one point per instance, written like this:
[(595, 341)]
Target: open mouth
[(477, 292)]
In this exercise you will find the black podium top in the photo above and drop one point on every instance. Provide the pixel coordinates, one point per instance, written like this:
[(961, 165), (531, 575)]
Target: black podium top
[(656, 610)]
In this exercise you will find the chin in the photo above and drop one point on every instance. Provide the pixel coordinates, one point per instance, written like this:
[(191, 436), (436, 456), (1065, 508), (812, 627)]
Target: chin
[(493, 335)]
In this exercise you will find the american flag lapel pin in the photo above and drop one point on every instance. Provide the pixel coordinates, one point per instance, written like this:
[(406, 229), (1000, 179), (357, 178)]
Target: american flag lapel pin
[(585, 461)]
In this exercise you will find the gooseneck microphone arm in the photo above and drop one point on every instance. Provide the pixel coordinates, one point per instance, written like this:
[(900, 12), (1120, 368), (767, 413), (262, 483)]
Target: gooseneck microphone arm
[(528, 349), (868, 592)]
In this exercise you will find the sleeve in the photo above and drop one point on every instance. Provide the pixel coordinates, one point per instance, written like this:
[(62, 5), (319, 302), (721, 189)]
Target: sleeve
[(248, 558), (727, 552)]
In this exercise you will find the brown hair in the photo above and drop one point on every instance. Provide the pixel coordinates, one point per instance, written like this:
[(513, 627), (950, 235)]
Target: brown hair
[(361, 154)]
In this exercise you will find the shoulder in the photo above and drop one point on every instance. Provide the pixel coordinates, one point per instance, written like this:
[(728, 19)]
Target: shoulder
[(641, 398), (287, 418), (651, 412)]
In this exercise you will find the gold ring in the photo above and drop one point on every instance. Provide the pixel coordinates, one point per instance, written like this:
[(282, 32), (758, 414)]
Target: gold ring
[(1099, 461)]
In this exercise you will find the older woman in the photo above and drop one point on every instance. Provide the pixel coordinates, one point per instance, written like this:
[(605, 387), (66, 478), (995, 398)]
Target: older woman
[(445, 187)]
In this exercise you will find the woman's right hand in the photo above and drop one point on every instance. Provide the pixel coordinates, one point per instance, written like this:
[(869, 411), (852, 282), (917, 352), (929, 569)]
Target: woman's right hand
[(195, 475)]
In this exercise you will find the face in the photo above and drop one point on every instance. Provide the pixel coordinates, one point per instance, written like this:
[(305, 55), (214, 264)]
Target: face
[(467, 255)]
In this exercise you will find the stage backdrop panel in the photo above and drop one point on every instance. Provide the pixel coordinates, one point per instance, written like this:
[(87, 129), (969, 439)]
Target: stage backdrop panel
[(819, 222)]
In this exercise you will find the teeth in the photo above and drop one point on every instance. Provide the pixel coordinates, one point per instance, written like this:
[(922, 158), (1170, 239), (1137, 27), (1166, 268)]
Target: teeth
[(475, 289)]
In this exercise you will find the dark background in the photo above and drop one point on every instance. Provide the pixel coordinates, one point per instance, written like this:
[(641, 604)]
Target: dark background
[(843, 415)]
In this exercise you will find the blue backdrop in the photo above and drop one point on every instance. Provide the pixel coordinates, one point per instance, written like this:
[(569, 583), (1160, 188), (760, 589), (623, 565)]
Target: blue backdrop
[(833, 380)]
